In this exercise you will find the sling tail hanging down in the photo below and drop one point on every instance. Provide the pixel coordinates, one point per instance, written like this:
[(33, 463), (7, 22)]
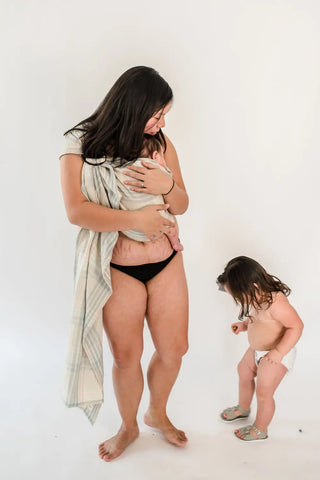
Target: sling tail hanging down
[(84, 373)]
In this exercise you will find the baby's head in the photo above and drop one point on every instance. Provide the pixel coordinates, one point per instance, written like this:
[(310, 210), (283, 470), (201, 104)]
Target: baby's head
[(152, 148), (249, 284)]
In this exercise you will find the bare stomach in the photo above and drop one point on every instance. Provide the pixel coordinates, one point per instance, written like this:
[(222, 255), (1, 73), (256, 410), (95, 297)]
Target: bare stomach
[(130, 252), (262, 337)]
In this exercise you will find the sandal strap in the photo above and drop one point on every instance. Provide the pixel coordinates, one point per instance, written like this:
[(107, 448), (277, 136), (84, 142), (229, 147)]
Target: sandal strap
[(257, 431), (245, 430), (230, 411), (237, 407), (244, 412)]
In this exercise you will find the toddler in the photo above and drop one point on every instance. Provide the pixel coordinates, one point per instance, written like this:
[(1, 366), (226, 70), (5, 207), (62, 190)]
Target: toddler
[(273, 327)]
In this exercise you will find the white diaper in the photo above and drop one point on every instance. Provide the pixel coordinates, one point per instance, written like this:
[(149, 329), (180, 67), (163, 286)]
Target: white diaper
[(287, 361)]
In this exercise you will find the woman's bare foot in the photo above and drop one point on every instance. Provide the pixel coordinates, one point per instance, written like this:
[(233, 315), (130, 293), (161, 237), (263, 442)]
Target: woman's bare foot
[(170, 432), (113, 447)]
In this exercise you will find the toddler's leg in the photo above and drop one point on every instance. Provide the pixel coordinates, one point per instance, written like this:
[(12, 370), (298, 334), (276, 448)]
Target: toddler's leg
[(247, 371), (269, 377)]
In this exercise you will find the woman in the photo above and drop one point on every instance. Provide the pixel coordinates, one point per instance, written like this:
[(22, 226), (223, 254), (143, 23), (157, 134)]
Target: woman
[(147, 278)]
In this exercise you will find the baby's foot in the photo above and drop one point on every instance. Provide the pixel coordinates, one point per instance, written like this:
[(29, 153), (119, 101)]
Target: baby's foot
[(177, 246), (170, 432), (113, 447)]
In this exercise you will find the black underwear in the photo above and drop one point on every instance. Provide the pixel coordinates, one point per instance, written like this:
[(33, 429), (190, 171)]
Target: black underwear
[(145, 271)]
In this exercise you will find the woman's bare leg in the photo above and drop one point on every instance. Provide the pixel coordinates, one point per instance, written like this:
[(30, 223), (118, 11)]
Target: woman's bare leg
[(123, 319), (167, 316)]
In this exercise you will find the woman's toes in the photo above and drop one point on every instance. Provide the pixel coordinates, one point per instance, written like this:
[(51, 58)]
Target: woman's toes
[(107, 457)]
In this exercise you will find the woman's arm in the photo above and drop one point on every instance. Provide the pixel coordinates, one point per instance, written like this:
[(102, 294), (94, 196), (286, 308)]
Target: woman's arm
[(178, 198), (86, 214), (150, 179)]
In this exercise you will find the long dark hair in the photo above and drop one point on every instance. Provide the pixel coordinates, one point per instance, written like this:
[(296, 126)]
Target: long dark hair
[(116, 128), (250, 284)]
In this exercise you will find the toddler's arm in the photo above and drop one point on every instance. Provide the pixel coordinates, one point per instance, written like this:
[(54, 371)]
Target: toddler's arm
[(284, 313), (238, 327)]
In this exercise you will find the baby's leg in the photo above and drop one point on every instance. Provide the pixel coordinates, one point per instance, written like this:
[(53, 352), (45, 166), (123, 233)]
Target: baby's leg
[(173, 236), (269, 377), (247, 371), (172, 232)]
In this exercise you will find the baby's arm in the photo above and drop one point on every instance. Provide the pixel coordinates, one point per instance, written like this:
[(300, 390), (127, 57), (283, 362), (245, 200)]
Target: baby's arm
[(284, 313)]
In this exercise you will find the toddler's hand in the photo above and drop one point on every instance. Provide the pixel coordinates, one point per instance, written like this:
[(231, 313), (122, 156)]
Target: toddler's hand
[(238, 327), (273, 357)]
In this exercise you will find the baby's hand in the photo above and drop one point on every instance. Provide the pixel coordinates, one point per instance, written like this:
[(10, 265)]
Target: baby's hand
[(273, 357), (238, 327)]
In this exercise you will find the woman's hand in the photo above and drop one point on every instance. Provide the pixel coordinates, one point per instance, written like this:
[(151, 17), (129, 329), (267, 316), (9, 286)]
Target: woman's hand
[(151, 223), (148, 179), (238, 327)]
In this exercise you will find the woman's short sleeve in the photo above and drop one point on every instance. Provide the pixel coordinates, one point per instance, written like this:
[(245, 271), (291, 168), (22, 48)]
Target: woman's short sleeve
[(72, 143)]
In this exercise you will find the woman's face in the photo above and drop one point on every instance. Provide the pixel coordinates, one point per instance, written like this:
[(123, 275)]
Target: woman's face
[(157, 121)]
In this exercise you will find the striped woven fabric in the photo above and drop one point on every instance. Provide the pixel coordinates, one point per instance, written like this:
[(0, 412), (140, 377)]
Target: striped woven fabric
[(92, 287), (83, 386), (130, 200), (104, 185)]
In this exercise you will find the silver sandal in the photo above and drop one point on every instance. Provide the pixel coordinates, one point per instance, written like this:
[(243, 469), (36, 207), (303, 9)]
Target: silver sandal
[(231, 415), (248, 436)]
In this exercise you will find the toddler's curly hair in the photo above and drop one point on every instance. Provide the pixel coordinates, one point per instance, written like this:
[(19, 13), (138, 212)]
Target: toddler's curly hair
[(249, 284)]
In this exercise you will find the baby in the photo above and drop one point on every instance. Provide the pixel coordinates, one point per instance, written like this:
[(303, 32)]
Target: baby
[(273, 327), (131, 200)]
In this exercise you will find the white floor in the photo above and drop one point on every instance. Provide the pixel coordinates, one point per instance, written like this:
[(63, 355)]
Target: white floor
[(43, 439)]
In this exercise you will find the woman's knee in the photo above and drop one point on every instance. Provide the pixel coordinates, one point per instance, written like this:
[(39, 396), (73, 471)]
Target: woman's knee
[(183, 349), (125, 358), (174, 354)]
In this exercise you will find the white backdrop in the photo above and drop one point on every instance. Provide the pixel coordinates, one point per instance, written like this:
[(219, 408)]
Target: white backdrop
[(246, 81)]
